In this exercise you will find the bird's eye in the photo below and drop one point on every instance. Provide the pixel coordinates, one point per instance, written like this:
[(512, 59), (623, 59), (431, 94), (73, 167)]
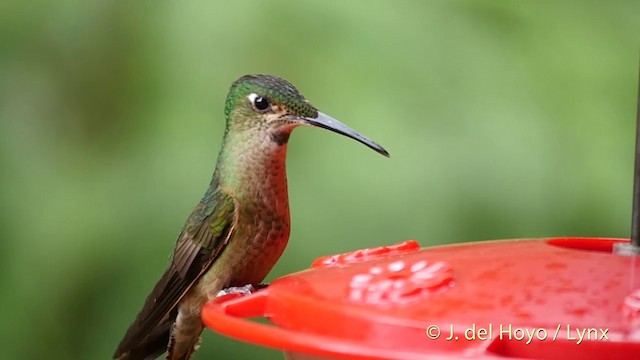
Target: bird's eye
[(261, 103)]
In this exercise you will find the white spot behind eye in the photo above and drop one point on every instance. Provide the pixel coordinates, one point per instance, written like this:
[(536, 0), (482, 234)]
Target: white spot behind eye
[(252, 97)]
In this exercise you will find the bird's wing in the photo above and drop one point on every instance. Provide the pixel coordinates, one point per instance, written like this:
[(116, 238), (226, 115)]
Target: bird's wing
[(202, 240)]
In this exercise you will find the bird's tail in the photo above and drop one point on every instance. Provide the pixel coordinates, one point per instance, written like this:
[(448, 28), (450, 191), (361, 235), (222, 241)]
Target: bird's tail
[(152, 346), (185, 337)]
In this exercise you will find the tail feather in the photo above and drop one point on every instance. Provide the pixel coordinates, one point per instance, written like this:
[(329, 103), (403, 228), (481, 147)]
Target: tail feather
[(182, 353), (185, 336), (150, 347)]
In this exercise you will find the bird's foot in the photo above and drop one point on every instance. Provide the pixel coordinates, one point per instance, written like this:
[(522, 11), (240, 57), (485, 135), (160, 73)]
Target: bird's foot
[(241, 290)]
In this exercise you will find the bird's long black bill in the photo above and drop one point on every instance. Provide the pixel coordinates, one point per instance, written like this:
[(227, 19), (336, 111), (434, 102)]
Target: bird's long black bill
[(327, 122)]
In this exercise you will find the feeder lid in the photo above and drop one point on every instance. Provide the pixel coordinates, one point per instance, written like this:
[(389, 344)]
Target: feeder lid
[(559, 298)]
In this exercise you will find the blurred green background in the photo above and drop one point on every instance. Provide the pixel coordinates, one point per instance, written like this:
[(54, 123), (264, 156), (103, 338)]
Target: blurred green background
[(504, 119)]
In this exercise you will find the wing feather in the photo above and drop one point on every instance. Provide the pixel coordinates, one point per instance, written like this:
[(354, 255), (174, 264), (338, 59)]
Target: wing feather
[(203, 238)]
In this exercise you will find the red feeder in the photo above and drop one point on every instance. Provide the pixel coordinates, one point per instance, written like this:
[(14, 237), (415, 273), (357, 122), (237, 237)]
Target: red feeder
[(559, 298)]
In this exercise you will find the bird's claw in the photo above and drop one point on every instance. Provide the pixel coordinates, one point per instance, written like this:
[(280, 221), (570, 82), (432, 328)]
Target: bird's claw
[(241, 290), (261, 286)]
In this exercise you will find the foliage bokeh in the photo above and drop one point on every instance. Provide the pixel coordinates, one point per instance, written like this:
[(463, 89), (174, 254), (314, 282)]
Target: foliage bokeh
[(504, 119)]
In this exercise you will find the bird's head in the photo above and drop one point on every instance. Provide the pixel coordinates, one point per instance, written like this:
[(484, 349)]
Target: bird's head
[(274, 106)]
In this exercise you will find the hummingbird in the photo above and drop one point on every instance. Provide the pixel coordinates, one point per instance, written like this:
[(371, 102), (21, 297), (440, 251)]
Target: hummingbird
[(240, 227)]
